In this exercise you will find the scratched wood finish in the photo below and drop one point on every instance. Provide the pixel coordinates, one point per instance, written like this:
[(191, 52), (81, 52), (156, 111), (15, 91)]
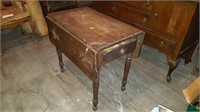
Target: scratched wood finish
[(82, 56), (168, 27), (100, 40), (31, 82), (96, 28)]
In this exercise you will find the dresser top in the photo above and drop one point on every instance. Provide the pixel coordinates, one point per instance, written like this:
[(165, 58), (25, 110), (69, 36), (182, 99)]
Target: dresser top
[(92, 27)]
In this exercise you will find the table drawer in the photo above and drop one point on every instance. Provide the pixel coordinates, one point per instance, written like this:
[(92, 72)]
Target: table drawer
[(127, 13), (118, 50), (161, 42)]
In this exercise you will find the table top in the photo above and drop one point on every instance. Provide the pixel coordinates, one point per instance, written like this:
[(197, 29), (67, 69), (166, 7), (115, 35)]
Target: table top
[(94, 28), (12, 15)]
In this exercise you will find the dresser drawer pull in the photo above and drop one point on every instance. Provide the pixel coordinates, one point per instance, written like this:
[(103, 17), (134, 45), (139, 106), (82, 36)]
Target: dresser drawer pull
[(162, 43), (144, 20), (147, 3), (155, 14), (113, 9)]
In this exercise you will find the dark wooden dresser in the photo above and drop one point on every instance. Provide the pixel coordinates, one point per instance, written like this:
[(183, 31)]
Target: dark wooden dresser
[(172, 27)]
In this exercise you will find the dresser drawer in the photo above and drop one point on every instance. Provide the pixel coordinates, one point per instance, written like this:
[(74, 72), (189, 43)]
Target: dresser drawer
[(159, 41), (141, 6), (100, 6), (175, 18), (127, 13)]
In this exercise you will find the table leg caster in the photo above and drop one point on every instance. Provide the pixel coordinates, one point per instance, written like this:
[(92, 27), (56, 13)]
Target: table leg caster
[(123, 85), (61, 66), (168, 78), (94, 108), (62, 70), (95, 102), (123, 88)]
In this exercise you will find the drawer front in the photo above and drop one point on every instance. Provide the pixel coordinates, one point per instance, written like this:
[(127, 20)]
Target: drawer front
[(175, 19), (119, 50), (160, 42), (76, 51), (142, 6), (100, 6), (127, 13), (164, 22), (171, 18)]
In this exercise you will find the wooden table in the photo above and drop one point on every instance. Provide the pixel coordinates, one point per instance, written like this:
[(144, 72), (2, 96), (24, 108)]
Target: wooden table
[(90, 39)]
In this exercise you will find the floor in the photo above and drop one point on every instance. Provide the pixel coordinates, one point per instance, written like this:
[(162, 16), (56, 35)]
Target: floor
[(31, 82)]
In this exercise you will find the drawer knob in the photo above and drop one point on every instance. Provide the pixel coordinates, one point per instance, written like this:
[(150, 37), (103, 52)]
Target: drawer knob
[(113, 9), (162, 43), (122, 51), (155, 14), (144, 20), (147, 3)]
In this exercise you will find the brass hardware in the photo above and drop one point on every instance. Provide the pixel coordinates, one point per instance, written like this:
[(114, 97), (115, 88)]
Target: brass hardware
[(113, 9), (144, 20), (122, 51), (155, 14), (147, 2), (92, 28), (162, 44)]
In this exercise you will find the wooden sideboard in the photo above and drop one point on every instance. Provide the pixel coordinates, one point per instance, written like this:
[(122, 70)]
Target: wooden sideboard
[(172, 27)]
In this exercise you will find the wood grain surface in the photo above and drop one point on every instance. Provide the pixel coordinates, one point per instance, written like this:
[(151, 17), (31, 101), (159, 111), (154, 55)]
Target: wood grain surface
[(92, 27)]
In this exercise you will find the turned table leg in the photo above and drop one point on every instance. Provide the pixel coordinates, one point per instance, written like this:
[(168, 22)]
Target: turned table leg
[(95, 92), (61, 64), (172, 67), (126, 70)]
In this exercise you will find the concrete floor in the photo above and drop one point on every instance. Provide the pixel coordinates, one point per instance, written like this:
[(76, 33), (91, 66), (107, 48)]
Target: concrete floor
[(31, 82)]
